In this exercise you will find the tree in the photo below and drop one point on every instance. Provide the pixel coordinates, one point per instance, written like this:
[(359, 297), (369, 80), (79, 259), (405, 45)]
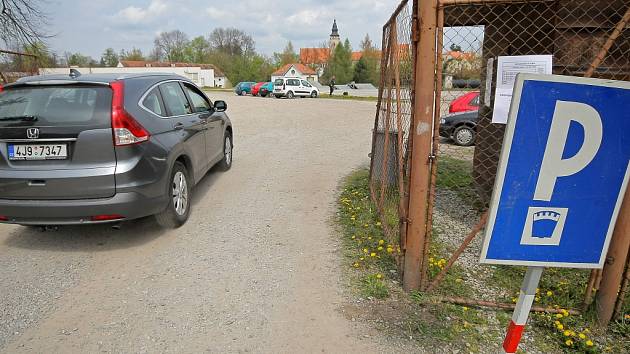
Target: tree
[(339, 65), (361, 71), (78, 59), (109, 58), (456, 48), (370, 63), (22, 22), (197, 50), (171, 46), (288, 56), (133, 54), (231, 41)]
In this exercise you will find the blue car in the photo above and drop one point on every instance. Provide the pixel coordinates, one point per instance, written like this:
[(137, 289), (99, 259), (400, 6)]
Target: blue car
[(244, 88), (266, 89)]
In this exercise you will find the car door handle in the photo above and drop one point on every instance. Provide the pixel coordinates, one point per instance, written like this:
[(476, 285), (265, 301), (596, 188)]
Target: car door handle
[(178, 126)]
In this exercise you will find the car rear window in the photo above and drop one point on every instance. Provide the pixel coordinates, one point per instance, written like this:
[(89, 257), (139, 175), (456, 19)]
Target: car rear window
[(57, 105)]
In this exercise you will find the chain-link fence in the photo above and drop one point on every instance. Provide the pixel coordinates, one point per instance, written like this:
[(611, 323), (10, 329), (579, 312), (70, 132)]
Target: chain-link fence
[(589, 38), (390, 148)]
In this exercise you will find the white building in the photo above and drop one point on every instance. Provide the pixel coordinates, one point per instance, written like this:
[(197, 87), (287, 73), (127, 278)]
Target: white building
[(295, 70), (203, 75)]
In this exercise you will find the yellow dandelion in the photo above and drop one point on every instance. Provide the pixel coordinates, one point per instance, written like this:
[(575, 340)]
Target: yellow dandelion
[(380, 248), (589, 343), (381, 242), (378, 223), (390, 250), (365, 250), (568, 342), (537, 290), (549, 293), (559, 315), (582, 336), (567, 333), (458, 280), (353, 237), (514, 300), (361, 259), (560, 327), (356, 265), (378, 276), (537, 298), (556, 323), (373, 254), (370, 238), (366, 225), (465, 308)]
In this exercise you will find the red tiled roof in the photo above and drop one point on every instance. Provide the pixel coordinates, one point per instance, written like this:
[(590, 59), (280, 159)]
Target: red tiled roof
[(459, 55), (299, 67), (157, 64), (314, 55)]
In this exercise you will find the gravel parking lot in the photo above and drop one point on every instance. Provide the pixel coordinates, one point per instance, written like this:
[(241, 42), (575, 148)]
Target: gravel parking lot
[(255, 269)]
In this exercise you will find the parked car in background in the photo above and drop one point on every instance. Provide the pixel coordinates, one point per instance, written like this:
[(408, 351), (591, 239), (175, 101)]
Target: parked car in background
[(266, 89), (465, 103), (256, 88), (292, 87), (244, 88), (461, 127), (97, 148)]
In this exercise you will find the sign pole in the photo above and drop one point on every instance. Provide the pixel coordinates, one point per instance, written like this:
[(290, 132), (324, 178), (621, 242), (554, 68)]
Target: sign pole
[(521, 311)]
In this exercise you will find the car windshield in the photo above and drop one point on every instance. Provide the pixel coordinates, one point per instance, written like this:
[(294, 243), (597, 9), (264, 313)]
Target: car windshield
[(56, 105), (278, 82)]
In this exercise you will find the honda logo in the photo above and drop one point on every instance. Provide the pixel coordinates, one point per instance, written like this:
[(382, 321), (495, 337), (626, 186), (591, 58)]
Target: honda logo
[(32, 133)]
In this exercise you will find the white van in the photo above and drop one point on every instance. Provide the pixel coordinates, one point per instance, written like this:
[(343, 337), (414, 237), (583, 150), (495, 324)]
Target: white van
[(290, 87)]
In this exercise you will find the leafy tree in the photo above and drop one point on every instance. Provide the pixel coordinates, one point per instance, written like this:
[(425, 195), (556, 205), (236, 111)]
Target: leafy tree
[(361, 71), (171, 46), (456, 48), (133, 54), (231, 41), (339, 65), (288, 56), (197, 50), (370, 63), (109, 58), (22, 22), (78, 59)]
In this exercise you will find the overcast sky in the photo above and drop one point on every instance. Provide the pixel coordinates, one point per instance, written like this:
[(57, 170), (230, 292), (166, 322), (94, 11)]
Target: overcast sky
[(90, 26)]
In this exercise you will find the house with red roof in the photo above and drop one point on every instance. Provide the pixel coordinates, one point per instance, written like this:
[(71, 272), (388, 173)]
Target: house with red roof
[(297, 70)]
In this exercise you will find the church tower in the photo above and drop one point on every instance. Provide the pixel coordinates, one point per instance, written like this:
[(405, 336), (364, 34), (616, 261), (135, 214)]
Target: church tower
[(334, 36)]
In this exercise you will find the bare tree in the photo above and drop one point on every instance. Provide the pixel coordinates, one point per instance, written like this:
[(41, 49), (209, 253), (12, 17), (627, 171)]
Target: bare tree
[(21, 21), (171, 45), (232, 41)]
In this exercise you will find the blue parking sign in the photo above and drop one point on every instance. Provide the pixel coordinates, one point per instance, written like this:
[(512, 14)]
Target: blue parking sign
[(562, 175)]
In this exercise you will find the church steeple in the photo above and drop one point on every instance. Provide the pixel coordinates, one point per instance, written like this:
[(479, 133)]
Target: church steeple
[(334, 36), (335, 30)]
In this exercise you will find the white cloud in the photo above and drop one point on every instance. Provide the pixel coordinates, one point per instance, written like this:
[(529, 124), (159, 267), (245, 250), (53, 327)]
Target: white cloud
[(215, 13), (137, 15)]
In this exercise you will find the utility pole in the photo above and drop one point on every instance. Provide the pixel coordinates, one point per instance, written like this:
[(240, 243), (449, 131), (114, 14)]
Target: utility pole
[(422, 129)]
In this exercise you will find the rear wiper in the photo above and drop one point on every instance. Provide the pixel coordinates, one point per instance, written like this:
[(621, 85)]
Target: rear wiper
[(22, 118)]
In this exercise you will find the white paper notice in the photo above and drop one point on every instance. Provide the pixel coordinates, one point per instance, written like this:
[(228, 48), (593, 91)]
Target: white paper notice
[(507, 68)]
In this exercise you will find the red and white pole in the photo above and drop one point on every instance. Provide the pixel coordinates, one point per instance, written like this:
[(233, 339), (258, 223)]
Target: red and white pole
[(521, 311)]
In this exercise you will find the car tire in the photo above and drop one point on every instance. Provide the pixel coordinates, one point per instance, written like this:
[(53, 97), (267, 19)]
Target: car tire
[(464, 135), (242, 93), (314, 94), (228, 148), (290, 95), (178, 192)]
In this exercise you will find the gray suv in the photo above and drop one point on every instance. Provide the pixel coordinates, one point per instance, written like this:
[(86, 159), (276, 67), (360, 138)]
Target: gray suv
[(83, 149)]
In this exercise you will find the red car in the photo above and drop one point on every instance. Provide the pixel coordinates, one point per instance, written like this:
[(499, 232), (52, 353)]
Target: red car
[(465, 103), (256, 88)]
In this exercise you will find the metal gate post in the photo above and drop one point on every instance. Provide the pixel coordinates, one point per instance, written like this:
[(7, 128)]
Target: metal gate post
[(422, 131)]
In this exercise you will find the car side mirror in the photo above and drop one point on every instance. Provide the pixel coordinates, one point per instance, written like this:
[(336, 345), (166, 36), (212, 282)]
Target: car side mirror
[(220, 106)]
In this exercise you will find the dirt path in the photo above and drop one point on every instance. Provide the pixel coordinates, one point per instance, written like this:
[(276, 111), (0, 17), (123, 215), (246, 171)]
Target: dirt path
[(255, 269)]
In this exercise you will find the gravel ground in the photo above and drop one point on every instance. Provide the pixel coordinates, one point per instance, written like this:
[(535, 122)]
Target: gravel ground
[(255, 269)]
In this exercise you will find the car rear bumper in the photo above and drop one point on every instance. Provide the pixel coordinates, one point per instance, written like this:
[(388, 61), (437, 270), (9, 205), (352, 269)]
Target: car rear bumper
[(130, 205)]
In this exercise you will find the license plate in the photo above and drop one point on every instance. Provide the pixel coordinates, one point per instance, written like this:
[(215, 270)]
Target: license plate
[(38, 151)]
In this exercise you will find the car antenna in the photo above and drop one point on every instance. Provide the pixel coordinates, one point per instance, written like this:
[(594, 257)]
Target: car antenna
[(74, 73)]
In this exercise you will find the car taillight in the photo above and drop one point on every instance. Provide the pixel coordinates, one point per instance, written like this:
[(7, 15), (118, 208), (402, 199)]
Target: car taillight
[(1, 88), (106, 217), (127, 130), (3, 218)]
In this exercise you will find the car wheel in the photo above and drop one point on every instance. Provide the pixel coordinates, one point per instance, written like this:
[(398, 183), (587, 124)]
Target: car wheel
[(290, 95), (314, 94), (228, 148), (242, 93), (464, 136), (178, 208)]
